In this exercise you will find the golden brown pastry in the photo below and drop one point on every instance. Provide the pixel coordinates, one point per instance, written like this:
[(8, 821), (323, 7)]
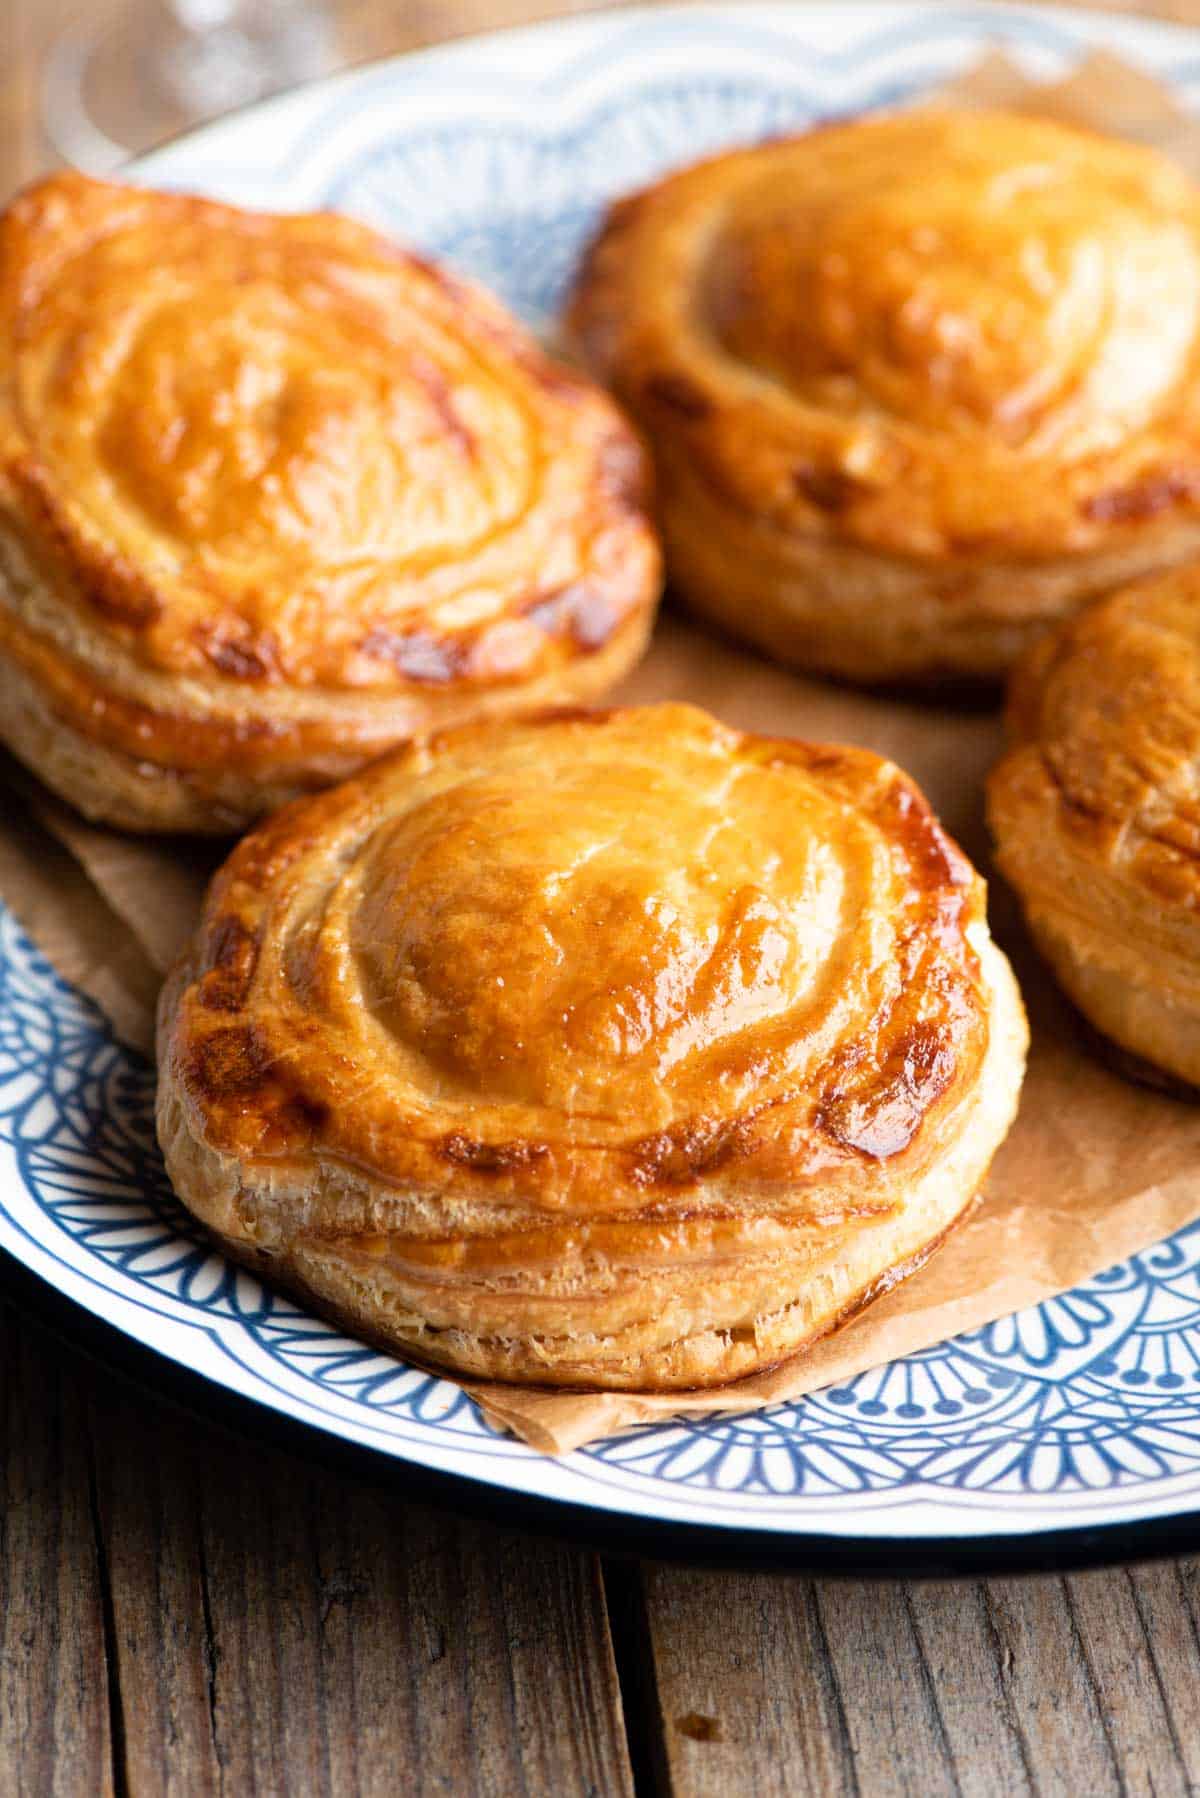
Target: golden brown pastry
[(611, 1049), (274, 496), (1096, 814), (915, 384)]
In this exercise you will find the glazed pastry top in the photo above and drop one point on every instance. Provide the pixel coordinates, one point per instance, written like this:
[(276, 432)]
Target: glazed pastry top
[(593, 964), (280, 449), (933, 332)]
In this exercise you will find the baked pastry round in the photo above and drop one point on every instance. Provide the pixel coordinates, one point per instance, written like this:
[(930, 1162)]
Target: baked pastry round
[(607, 1050), (915, 384), (1096, 814), (276, 495)]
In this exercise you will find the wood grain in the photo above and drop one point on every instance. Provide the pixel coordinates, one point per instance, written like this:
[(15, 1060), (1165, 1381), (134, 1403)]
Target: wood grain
[(54, 1720), (784, 1685), (277, 1630)]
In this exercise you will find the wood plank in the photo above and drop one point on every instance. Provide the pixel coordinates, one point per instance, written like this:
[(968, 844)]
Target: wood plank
[(1168, 1599), (784, 1685), (956, 1635), (745, 1698), (281, 1630), (1138, 1630), (54, 1714), (1044, 1671), (148, 1485), (898, 1735)]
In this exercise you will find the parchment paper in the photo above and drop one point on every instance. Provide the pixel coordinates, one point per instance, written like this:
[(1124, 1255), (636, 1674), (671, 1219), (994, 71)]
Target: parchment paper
[(1095, 1167)]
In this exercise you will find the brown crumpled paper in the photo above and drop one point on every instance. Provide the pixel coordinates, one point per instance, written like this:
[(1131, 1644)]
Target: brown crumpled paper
[(1094, 1168)]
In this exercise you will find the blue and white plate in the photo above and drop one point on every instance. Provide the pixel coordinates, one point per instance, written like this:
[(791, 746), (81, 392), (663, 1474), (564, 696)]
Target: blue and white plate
[(1070, 1431)]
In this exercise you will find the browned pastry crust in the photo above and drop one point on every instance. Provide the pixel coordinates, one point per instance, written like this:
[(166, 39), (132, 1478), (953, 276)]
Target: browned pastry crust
[(1096, 814), (276, 495), (615, 1050), (915, 384)]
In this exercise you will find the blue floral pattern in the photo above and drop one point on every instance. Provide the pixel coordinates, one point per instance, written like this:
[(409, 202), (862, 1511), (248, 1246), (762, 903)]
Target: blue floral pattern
[(1091, 1397)]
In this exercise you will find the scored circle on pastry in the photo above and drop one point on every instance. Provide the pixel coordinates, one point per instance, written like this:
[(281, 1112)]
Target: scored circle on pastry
[(1096, 814), (601, 1049), (914, 384), (276, 494)]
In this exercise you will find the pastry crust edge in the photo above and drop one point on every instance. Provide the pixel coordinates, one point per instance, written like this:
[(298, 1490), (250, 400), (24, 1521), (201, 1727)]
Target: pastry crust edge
[(880, 1254)]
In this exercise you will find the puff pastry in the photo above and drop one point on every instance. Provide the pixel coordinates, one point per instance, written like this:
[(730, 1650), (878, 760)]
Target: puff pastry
[(276, 495), (1096, 814), (610, 1050), (915, 384)]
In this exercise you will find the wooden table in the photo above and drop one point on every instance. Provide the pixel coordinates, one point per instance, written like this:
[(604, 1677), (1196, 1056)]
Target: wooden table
[(185, 1612)]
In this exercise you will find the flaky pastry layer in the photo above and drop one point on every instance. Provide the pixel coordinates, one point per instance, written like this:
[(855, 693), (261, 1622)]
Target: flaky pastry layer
[(915, 384), (276, 495), (614, 1050), (1096, 814)]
